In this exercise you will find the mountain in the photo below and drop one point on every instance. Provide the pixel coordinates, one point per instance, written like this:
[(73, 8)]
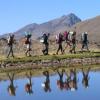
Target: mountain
[(66, 21)]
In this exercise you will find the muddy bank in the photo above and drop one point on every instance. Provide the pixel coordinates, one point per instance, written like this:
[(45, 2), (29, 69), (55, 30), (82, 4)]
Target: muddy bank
[(39, 63), (22, 73)]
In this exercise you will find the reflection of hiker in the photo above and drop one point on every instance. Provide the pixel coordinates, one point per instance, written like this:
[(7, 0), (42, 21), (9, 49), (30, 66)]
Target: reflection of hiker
[(73, 40), (28, 44), (66, 38), (59, 40), (46, 44), (66, 83), (10, 45), (73, 80), (46, 84), (11, 87), (84, 39), (85, 79), (60, 82), (28, 86)]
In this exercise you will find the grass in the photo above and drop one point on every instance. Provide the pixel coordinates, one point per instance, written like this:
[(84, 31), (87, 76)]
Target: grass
[(49, 57)]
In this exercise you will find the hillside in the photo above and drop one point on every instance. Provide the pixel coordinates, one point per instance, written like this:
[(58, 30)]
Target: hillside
[(92, 26)]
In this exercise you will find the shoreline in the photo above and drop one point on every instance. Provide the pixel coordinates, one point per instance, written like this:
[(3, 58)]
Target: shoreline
[(21, 73), (37, 62)]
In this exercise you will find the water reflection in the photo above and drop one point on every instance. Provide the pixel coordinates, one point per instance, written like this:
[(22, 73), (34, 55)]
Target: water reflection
[(46, 83), (11, 87), (28, 86), (67, 80), (60, 82), (85, 80), (73, 80), (70, 82)]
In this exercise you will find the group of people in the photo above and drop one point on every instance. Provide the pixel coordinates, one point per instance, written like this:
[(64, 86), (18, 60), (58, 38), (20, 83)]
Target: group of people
[(11, 41), (71, 41), (66, 81), (68, 37)]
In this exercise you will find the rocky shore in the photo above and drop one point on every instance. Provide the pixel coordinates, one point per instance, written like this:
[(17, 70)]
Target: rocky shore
[(50, 62)]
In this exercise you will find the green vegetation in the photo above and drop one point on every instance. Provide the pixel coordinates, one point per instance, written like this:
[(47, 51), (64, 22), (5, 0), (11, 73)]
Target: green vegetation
[(50, 57)]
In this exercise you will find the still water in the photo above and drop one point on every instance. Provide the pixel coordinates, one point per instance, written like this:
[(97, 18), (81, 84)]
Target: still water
[(60, 86)]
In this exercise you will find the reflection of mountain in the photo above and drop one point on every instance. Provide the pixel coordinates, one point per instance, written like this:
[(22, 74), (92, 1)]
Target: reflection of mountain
[(50, 26)]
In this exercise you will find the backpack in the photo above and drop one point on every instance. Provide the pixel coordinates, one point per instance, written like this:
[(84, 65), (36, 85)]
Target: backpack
[(70, 35), (27, 39), (59, 38), (66, 35), (10, 40), (42, 40), (84, 37)]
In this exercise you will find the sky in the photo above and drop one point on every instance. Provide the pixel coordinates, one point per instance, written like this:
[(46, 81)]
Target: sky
[(15, 14)]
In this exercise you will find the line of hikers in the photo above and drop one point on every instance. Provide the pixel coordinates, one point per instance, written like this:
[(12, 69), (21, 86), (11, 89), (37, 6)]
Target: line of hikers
[(68, 37), (66, 81)]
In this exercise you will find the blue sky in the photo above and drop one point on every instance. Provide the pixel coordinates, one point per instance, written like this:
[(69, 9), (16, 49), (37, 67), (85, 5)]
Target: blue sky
[(14, 14)]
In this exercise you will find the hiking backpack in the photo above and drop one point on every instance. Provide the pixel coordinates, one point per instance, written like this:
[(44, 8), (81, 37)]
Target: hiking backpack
[(84, 37), (10, 39)]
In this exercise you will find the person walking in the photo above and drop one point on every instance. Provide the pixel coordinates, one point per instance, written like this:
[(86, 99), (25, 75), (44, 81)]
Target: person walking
[(46, 44), (59, 40), (73, 42), (10, 45), (28, 44), (84, 39), (67, 40)]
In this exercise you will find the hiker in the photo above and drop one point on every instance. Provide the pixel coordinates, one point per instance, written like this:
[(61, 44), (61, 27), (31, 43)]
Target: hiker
[(73, 41), (28, 44), (85, 80), (60, 82), (45, 42), (67, 40), (84, 39), (59, 40), (28, 86), (11, 87), (10, 42), (46, 84)]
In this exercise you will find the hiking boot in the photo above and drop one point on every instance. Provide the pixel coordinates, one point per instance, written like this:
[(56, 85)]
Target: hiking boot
[(30, 55), (43, 51), (63, 51), (70, 51), (57, 53), (74, 52)]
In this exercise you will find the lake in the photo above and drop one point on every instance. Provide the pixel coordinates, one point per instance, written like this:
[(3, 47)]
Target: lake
[(72, 85)]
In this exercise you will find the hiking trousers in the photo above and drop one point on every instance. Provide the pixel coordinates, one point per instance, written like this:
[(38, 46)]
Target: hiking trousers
[(85, 45), (28, 50), (10, 51), (45, 51), (60, 48)]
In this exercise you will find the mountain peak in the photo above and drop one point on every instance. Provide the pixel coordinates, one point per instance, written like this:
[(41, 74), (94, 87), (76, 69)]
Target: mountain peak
[(51, 26)]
